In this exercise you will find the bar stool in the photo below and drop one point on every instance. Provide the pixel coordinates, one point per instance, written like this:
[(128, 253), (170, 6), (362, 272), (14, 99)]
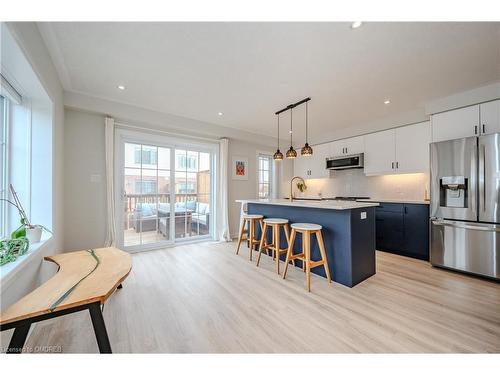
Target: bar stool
[(250, 233), (306, 230), (276, 224)]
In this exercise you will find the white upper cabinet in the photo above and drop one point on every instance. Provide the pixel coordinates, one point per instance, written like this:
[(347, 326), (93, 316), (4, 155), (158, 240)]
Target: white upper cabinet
[(301, 166), (400, 150), (380, 152), (317, 163), (458, 123), (490, 117), (348, 146), (412, 148), (313, 166)]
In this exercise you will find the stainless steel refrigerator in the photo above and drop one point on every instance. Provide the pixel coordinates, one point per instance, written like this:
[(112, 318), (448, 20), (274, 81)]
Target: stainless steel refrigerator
[(465, 197)]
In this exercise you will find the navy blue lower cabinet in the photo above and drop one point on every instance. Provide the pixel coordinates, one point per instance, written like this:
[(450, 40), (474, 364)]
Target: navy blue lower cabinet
[(349, 237), (403, 228)]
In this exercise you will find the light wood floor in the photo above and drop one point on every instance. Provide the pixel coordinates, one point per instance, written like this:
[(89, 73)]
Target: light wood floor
[(204, 298)]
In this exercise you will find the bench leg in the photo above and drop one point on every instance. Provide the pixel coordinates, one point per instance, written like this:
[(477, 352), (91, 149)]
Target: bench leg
[(101, 334), (18, 339)]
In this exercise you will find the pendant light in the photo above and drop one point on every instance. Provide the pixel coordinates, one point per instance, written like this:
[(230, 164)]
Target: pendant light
[(278, 155), (306, 150), (291, 153)]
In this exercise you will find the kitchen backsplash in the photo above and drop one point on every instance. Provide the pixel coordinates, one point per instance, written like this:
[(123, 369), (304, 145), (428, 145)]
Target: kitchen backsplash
[(353, 182)]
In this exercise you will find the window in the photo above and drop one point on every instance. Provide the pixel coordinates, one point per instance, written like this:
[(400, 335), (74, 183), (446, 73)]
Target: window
[(149, 156), (187, 162), (26, 139), (186, 188), (3, 166), (146, 187), (264, 173)]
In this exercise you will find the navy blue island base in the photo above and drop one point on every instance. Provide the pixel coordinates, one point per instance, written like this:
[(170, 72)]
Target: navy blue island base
[(349, 237)]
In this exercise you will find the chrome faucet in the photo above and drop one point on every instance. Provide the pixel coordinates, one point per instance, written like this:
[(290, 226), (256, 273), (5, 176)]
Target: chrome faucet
[(291, 185)]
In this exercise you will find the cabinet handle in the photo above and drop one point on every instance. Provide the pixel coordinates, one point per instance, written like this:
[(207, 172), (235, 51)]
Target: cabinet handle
[(475, 129), (392, 165), (484, 129), (406, 210), (397, 165), (346, 150)]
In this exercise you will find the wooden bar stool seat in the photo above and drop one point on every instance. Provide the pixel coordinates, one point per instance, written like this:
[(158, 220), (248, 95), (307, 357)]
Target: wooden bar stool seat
[(307, 229), (251, 239), (275, 246)]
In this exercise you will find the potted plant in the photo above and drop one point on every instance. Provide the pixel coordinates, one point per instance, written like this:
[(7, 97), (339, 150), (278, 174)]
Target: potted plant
[(301, 186), (32, 232)]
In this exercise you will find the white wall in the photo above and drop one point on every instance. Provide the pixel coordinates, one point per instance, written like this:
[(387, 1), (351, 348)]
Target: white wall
[(85, 201), (31, 44)]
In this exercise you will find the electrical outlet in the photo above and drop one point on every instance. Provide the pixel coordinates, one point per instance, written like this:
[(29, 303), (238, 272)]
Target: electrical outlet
[(363, 215)]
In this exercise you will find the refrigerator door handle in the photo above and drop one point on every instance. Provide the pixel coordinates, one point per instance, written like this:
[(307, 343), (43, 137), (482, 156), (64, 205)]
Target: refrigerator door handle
[(462, 225), (482, 177)]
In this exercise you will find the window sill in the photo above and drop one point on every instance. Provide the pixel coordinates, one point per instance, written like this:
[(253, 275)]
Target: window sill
[(9, 270)]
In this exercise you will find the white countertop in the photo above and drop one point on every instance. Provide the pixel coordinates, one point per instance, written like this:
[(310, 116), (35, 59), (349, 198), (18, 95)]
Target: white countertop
[(331, 205), (411, 201)]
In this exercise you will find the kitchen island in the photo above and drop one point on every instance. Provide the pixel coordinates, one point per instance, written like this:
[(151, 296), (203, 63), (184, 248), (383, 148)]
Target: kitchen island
[(348, 233)]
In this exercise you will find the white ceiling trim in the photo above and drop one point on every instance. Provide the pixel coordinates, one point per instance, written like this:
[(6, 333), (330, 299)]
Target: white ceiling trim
[(50, 39)]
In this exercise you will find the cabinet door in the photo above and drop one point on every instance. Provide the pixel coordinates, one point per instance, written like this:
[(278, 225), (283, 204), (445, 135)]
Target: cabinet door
[(337, 148), (389, 231), (380, 153), (412, 148), (416, 230), (459, 123), (317, 162), (490, 117), (355, 145), (301, 166), (348, 146)]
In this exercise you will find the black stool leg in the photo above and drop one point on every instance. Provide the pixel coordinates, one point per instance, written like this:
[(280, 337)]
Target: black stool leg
[(101, 334), (119, 286), (18, 339)]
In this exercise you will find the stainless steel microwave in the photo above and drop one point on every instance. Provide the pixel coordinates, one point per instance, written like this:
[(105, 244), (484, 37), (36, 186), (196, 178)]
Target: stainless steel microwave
[(345, 162)]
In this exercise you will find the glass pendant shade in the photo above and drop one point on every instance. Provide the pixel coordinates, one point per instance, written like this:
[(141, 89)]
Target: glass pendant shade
[(291, 153), (306, 150), (278, 155)]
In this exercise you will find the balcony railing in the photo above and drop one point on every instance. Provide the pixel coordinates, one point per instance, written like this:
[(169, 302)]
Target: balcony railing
[(131, 200)]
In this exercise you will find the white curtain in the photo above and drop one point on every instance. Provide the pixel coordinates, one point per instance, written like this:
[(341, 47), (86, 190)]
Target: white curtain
[(223, 214), (109, 135)]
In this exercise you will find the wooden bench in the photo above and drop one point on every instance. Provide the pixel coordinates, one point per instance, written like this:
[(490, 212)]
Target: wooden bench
[(85, 280)]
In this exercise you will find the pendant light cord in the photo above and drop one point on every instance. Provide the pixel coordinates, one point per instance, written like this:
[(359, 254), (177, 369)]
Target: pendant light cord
[(278, 131), (306, 122), (291, 127)]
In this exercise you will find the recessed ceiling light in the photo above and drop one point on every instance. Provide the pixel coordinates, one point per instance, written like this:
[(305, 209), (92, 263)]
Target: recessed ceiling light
[(220, 113), (387, 101), (356, 24), (120, 87)]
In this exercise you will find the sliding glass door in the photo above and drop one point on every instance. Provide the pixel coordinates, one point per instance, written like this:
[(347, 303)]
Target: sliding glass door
[(166, 192), (146, 187), (192, 193)]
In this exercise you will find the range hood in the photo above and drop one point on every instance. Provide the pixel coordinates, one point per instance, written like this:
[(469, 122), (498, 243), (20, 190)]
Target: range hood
[(345, 162)]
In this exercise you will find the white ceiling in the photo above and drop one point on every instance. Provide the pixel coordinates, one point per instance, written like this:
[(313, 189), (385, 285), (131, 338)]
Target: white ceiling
[(250, 70)]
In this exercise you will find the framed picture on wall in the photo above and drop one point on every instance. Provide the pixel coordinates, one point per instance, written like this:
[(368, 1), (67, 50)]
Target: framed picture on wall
[(240, 168)]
